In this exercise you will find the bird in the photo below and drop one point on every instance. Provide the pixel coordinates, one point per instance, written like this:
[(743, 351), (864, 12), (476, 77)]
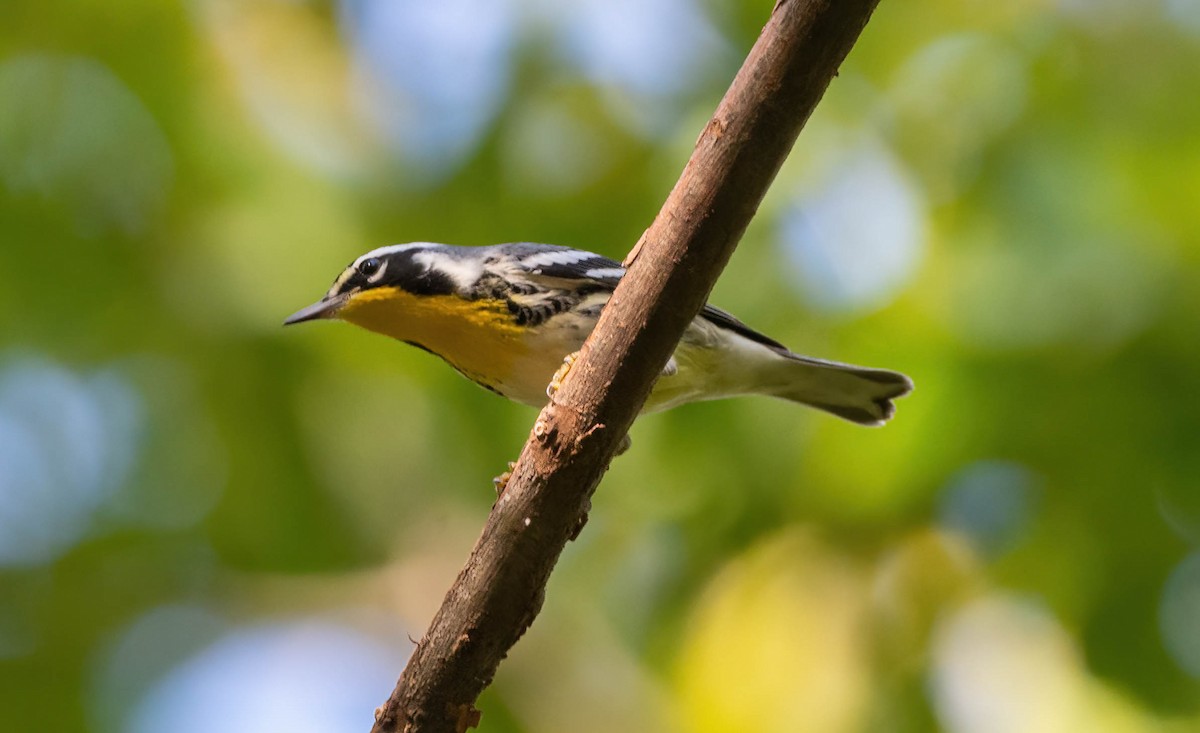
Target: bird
[(510, 317)]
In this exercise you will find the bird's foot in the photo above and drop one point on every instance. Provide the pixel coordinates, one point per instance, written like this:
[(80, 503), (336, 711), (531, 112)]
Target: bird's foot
[(561, 374), (501, 481)]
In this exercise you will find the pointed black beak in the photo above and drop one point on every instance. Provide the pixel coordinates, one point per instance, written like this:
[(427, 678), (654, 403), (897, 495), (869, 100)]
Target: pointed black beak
[(322, 309)]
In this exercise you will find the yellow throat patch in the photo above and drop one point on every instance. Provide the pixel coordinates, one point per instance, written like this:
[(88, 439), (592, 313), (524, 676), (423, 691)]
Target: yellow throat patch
[(478, 337)]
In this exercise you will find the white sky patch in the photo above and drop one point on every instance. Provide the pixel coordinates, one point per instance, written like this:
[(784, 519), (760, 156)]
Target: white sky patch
[(1179, 613), (645, 56), (847, 256), (1184, 12), (304, 676), (1005, 665), (430, 75), (68, 444)]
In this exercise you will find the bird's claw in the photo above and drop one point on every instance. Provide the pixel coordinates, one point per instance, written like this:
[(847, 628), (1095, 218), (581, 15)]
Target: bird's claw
[(561, 374), (501, 481)]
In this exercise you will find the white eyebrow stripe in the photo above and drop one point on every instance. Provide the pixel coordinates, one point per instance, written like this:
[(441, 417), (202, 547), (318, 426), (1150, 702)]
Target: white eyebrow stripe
[(603, 273), (557, 257), (391, 249), (341, 280)]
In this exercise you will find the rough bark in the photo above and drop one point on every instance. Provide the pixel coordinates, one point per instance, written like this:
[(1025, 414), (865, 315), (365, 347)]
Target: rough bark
[(671, 271)]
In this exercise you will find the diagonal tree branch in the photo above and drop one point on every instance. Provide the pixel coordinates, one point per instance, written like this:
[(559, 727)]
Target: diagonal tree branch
[(671, 271)]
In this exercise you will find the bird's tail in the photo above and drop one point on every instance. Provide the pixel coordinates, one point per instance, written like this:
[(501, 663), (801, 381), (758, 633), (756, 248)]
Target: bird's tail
[(858, 394)]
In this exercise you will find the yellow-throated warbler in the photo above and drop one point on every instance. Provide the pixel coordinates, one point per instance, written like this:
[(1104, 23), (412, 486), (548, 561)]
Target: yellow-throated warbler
[(505, 316)]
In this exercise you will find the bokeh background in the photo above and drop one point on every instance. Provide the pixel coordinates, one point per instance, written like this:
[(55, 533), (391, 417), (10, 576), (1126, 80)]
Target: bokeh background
[(210, 523)]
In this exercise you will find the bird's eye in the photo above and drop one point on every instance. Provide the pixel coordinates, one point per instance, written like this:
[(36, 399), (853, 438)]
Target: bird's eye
[(369, 266)]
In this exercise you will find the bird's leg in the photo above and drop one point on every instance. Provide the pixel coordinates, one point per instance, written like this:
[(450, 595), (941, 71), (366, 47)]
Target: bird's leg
[(568, 362), (561, 374), (501, 481)]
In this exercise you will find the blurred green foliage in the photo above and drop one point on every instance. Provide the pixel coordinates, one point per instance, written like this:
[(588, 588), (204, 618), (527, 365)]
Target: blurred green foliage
[(206, 518)]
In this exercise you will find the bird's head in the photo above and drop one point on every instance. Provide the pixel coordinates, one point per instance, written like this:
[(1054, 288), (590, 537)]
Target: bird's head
[(381, 276)]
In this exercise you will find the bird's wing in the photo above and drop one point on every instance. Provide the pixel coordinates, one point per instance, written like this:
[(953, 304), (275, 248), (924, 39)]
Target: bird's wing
[(715, 315), (563, 268), (540, 281)]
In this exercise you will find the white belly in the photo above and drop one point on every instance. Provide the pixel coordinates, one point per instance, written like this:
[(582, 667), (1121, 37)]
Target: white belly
[(709, 363)]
